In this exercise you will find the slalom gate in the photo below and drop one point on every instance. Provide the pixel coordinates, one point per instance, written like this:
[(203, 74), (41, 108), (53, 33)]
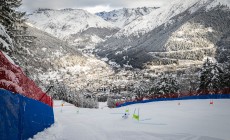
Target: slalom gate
[(191, 97), (22, 117)]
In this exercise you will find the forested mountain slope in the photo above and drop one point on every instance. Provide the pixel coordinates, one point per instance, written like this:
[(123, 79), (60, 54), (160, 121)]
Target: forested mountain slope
[(189, 35)]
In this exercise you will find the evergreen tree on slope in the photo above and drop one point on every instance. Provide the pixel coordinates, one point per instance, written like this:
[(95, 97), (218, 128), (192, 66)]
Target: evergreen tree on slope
[(13, 21), (166, 83), (226, 75), (210, 77), (223, 58)]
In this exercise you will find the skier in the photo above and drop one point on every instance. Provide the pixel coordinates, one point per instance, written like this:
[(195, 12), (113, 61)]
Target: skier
[(125, 116)]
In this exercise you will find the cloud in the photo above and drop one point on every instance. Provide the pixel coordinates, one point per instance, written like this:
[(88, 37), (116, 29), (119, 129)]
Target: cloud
[(90, 5)]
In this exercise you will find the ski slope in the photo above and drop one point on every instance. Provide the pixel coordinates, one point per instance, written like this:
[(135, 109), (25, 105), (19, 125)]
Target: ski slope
[(191, 120)]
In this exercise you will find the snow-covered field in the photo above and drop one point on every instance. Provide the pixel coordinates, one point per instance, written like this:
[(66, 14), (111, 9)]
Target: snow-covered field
[(191, 120)]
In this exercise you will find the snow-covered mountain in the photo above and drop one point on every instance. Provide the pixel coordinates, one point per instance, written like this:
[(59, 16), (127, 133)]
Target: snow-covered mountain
[(179, 35), (42, 56), (73, 25), (164, 14), (125, 16), (49, 60), (182, 30)]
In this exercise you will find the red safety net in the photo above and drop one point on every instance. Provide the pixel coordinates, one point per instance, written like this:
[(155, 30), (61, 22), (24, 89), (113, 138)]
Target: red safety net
[(13, 79)]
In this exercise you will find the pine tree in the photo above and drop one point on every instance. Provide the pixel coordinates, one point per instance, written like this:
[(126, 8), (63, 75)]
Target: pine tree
[(210, 77), (6, 43), (13, 21), (10, 18), (226, 76), (223, 58), (166, 83)]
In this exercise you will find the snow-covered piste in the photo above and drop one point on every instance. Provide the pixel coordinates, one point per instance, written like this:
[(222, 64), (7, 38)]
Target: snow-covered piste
[(169, 120)]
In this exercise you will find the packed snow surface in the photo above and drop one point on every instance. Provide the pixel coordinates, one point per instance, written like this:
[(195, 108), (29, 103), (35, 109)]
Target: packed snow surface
[(191, 120)]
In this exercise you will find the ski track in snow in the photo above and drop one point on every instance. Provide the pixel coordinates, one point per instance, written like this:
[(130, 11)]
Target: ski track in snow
[(191, 120)]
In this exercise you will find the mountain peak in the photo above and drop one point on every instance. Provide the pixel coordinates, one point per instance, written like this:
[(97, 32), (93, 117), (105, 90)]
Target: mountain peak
[(65, 22), (123, 17), (161, 15)]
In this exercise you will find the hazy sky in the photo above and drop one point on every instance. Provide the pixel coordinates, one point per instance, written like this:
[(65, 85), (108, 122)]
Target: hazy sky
[(89, 5)]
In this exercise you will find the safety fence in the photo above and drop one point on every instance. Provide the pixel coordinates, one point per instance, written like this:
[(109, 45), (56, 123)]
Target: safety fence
[(13, 79), (170, 97), (22, 117)]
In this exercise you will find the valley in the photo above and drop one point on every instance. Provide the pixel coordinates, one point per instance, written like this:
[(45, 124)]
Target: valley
[(123, 52)]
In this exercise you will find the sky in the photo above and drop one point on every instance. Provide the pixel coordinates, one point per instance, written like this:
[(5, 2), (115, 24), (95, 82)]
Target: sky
[(92, 6)]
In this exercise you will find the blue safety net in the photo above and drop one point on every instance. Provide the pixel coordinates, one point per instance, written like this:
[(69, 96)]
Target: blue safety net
[(208, 96), (21, 117)]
